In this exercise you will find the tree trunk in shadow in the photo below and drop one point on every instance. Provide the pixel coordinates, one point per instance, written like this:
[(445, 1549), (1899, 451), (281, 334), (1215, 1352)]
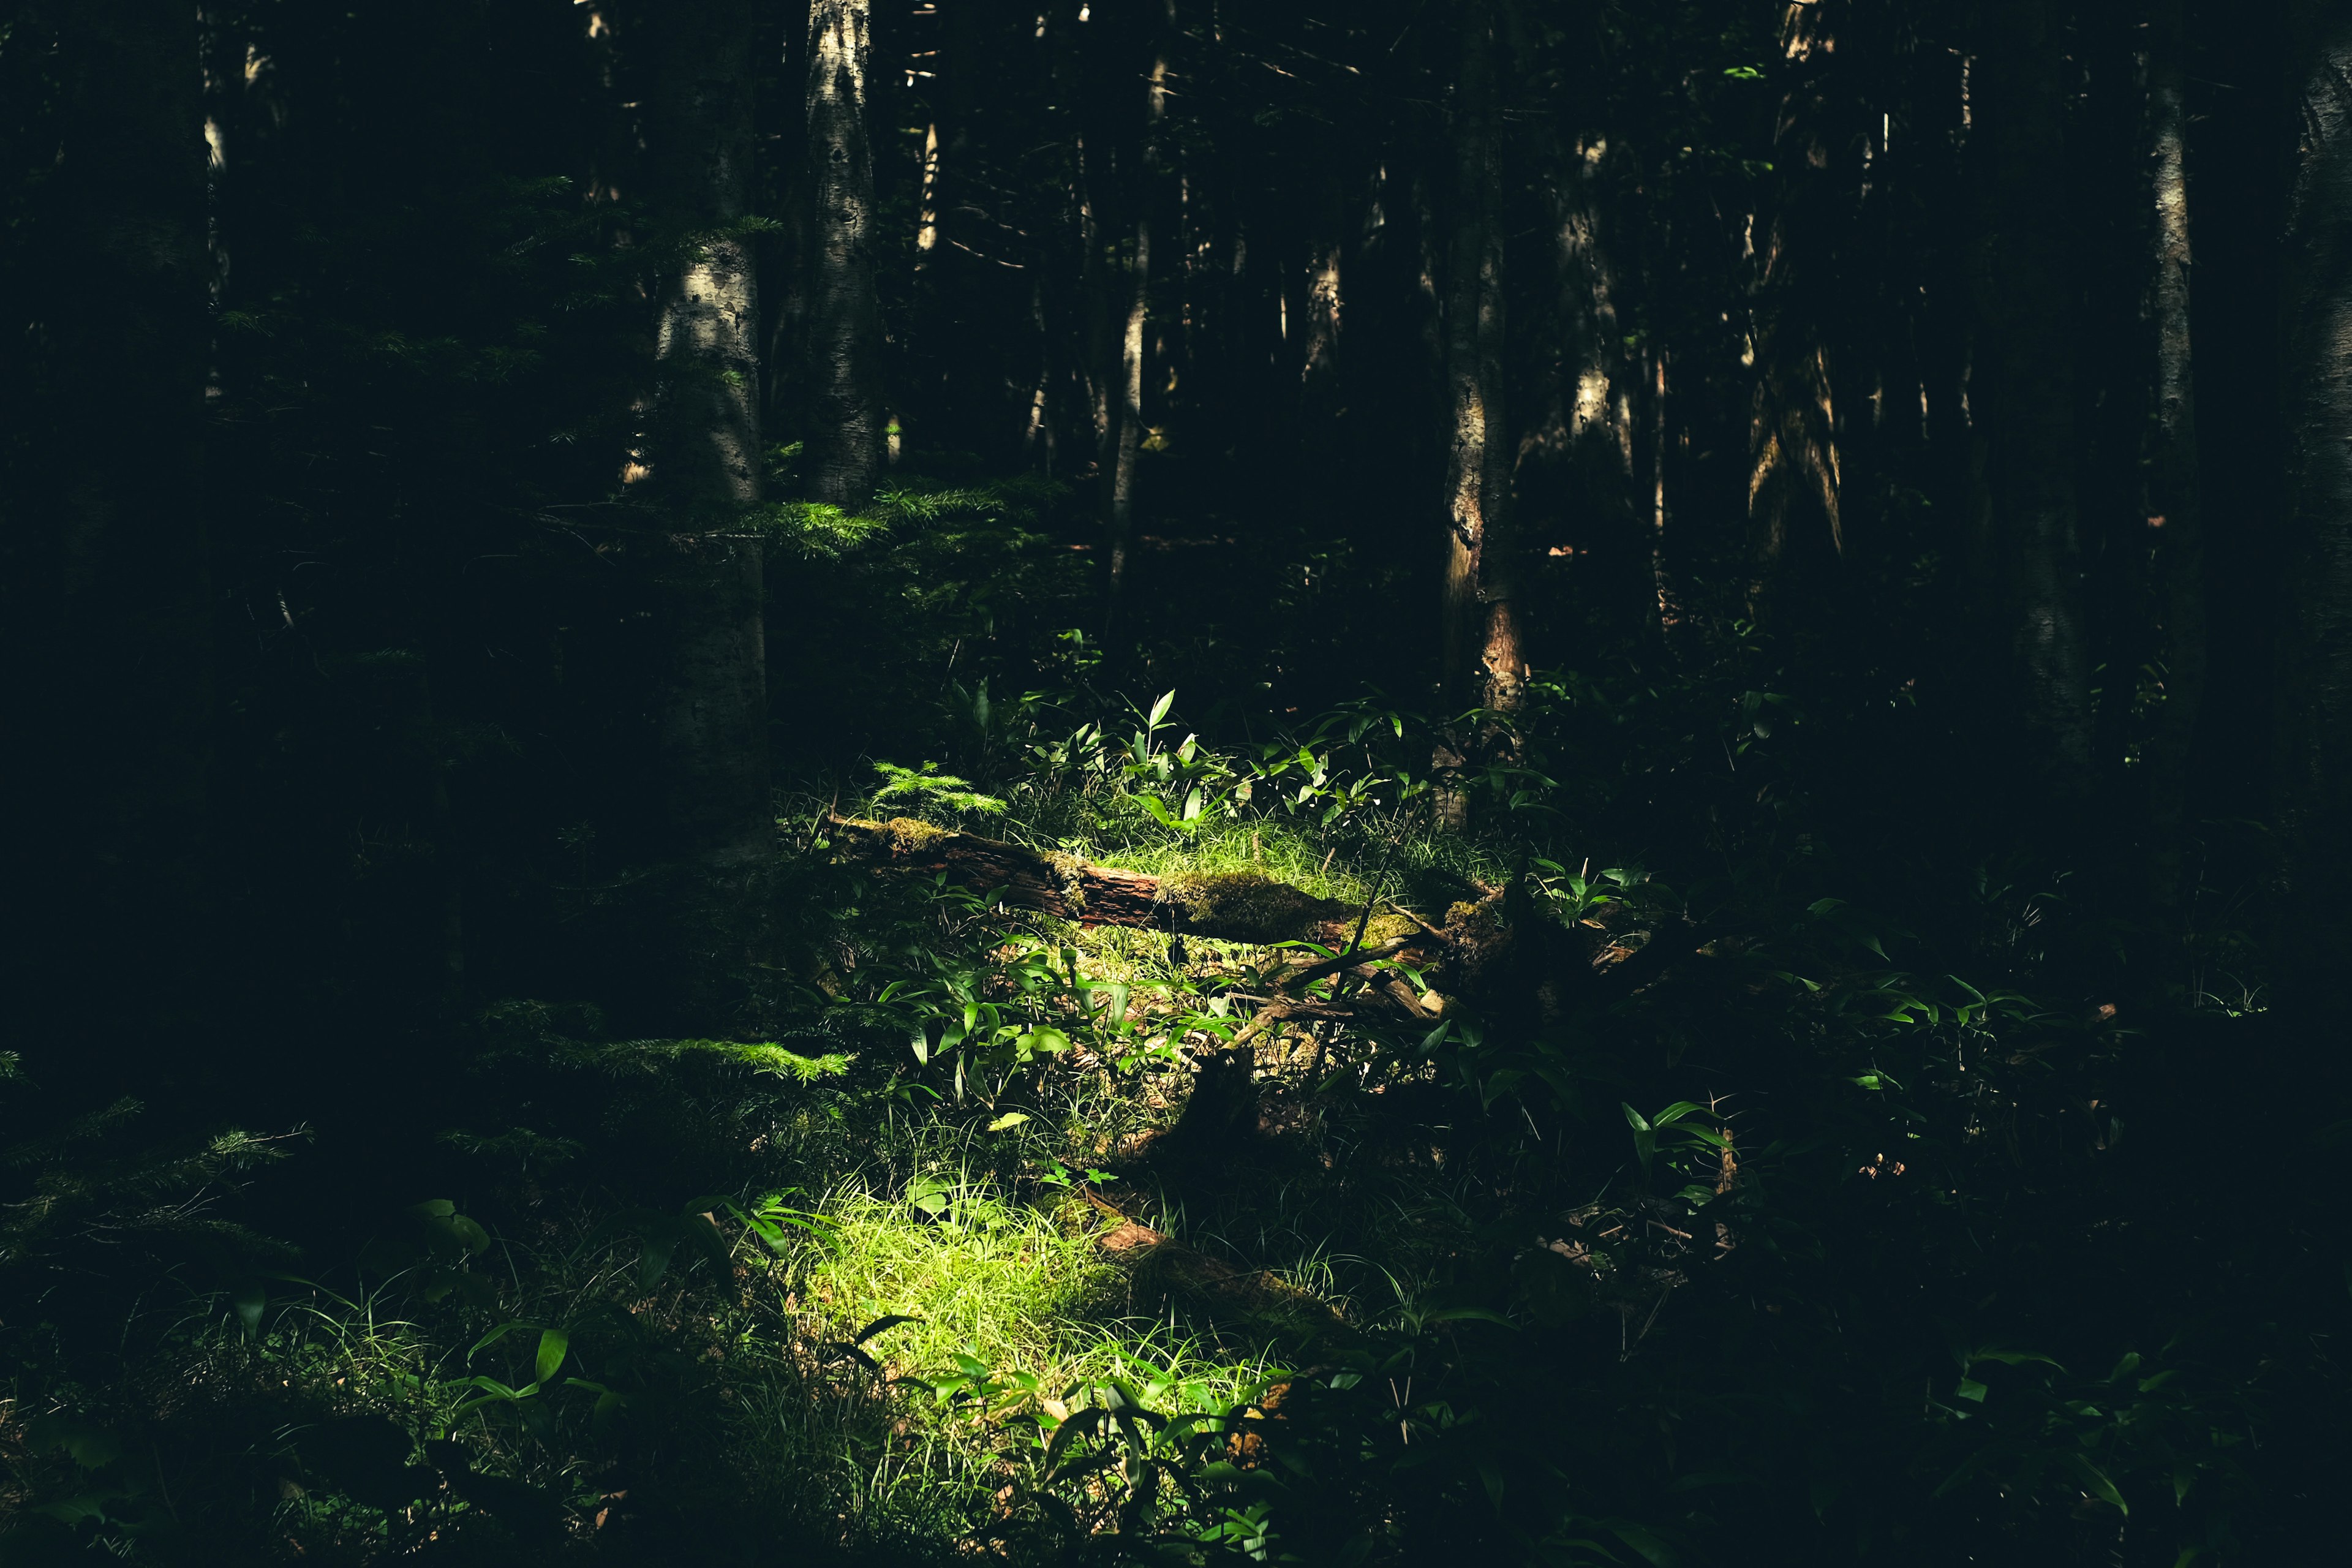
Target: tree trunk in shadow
[(102, 555), (2026, 374), (2315, 652), (703, 446), (844, 440), (1484, 664), (2175, 502), (697, 476)]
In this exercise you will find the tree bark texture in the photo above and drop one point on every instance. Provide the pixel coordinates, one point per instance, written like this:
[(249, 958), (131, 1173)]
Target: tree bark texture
[(2026, 378), (1588, 426), (845, 307), (103, 571), (2316, 656), (704, 443), (1128, 441), (1479, 619), (2175, 505), (1793, 425), (1131, 397), (1662, 575)]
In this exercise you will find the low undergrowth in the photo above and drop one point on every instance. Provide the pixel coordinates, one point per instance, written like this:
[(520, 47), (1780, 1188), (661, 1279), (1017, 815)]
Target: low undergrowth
[(1783, 1254)]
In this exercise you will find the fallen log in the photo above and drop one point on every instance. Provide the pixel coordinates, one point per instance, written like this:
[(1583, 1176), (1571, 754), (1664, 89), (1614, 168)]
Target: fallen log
[(1225, 906), (1478, 953)]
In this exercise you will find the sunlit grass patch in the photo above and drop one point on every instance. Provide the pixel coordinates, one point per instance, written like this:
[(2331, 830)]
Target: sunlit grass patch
[(906, 1455), (994, 1279)]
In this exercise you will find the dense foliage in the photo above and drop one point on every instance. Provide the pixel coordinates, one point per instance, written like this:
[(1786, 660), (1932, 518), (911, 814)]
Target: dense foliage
[(1782, 1097)]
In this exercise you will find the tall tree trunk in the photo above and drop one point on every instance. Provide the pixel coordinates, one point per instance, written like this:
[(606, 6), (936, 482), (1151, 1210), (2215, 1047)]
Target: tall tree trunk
[(1319, 359), (704, 443), (1580, 452), (1142, 189), (2026, 375), (1792, 425), (1479, 622), (1662, 577), (845, 309), (2315, 652), (103, 584), (1093, 185), (2174, 504), (1480, 625)]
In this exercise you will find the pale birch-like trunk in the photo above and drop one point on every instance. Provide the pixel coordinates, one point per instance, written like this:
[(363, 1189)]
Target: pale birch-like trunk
[(2175, 510), (845, 433), (2315, 652)]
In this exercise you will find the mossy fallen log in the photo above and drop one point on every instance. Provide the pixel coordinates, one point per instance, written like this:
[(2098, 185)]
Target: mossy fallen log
[(1225, 906), (1530, 970)]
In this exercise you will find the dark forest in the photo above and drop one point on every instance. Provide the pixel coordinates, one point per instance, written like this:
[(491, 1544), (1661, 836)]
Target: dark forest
[(1554, 781)]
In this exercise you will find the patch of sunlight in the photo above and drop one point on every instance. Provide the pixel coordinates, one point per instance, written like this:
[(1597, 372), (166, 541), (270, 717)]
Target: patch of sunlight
[(1004, 1283)]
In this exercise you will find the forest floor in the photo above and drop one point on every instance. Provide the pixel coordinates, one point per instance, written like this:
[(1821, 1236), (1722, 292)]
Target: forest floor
[(978, 1238)]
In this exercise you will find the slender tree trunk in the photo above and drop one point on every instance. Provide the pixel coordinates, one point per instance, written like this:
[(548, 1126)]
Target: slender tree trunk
[(2026, 376), (2315, 652), (1094, 184), (1479, 617), (1318, 360), (927, 210), (1478, 613), (1662, 577), (103, 572), (2174, 504), (1793, 425), (1586, 434), (1129, 417), (845, 313), (704, 444)]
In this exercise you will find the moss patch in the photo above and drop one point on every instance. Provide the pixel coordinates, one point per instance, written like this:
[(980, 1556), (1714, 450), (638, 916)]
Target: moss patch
[(1242, 906), (908, 837)]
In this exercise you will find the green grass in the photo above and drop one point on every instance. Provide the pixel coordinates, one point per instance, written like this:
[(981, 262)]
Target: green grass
[(997, 1281)]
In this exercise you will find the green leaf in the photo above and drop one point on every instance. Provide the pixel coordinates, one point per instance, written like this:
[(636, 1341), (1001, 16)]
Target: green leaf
[(494, 1336), (1008, 1119), (2094, 1480), (1159, 709), (555, 1345)]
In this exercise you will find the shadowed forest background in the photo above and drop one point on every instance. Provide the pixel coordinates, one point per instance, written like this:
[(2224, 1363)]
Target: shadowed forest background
[(1506, 780)]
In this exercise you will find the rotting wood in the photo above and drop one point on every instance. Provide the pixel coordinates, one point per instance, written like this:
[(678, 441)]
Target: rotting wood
[(1472, 956), (1231, 906)]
